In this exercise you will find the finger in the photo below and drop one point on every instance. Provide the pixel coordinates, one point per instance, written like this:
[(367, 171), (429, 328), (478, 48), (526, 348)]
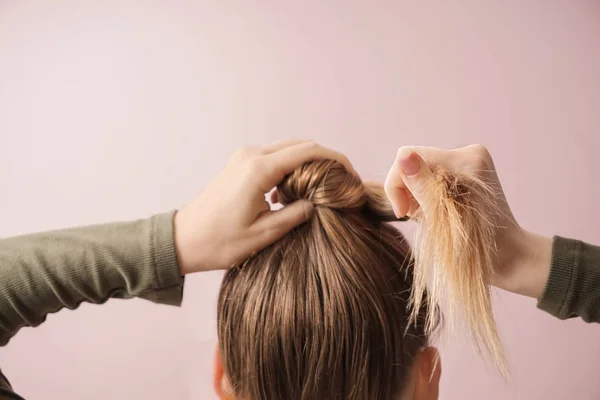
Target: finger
[(282, 144), (474, 158), (395, 189), (455, 160), (274, 224), (399, 199), (413, 205), (433, 155), (286, 160), (415, 173), (265, 208)]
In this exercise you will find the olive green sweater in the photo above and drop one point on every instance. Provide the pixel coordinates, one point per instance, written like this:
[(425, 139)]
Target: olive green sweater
[(45, 272), (573, 286)]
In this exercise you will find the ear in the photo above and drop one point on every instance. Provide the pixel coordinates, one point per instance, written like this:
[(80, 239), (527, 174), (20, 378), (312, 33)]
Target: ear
[(428, 370), (220, 383)]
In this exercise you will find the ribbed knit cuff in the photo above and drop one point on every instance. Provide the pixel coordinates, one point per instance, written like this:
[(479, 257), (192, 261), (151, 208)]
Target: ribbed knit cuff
[(558, 293), (168, 276)]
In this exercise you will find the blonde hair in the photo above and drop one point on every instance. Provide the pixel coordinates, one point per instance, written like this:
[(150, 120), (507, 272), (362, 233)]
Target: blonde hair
[(454, 251), (324, 312)]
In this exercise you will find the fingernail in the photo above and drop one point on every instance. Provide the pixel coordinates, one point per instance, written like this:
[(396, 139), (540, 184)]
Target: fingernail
[(410, 164)]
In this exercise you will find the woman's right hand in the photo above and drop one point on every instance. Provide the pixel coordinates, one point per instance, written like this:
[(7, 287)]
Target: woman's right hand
[(230, 219), (523, 261)]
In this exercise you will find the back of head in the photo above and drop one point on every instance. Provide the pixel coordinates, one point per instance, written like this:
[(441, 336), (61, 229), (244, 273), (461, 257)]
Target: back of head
[(324, 312)]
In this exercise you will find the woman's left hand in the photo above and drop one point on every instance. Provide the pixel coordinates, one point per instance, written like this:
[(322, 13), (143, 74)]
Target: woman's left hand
[(231, 219)]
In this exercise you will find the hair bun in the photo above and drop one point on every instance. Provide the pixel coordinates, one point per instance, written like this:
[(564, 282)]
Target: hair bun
[(325, 183)]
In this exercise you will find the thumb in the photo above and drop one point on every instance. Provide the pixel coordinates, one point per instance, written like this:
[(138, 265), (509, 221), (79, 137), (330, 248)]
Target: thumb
[(416, 173), (274, 224)]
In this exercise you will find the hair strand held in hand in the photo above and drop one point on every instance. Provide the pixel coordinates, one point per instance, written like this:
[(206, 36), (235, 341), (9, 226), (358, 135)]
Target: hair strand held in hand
[(454, 250)]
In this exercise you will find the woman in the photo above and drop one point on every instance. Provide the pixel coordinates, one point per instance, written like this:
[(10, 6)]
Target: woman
[(42, 273)]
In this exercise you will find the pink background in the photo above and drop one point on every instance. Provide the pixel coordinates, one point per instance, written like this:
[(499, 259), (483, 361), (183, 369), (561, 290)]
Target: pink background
[(119, 109)]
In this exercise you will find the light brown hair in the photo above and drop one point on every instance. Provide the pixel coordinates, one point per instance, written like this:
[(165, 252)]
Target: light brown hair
[(324, 312)]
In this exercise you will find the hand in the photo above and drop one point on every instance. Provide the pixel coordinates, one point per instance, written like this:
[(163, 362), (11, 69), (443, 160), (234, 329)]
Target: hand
[(523, 258), (231, 219)]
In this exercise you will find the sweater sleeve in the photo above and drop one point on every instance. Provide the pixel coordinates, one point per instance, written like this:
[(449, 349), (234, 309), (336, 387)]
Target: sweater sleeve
[(42, 273), (573, 286)]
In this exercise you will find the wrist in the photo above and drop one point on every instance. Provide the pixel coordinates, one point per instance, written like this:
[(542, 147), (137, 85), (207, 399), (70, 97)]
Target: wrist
[(536, 265), (195, 244), (525, 259), (183, 257)]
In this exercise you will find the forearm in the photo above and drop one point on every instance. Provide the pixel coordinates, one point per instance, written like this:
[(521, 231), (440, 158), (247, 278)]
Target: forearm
[(44, 272)]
